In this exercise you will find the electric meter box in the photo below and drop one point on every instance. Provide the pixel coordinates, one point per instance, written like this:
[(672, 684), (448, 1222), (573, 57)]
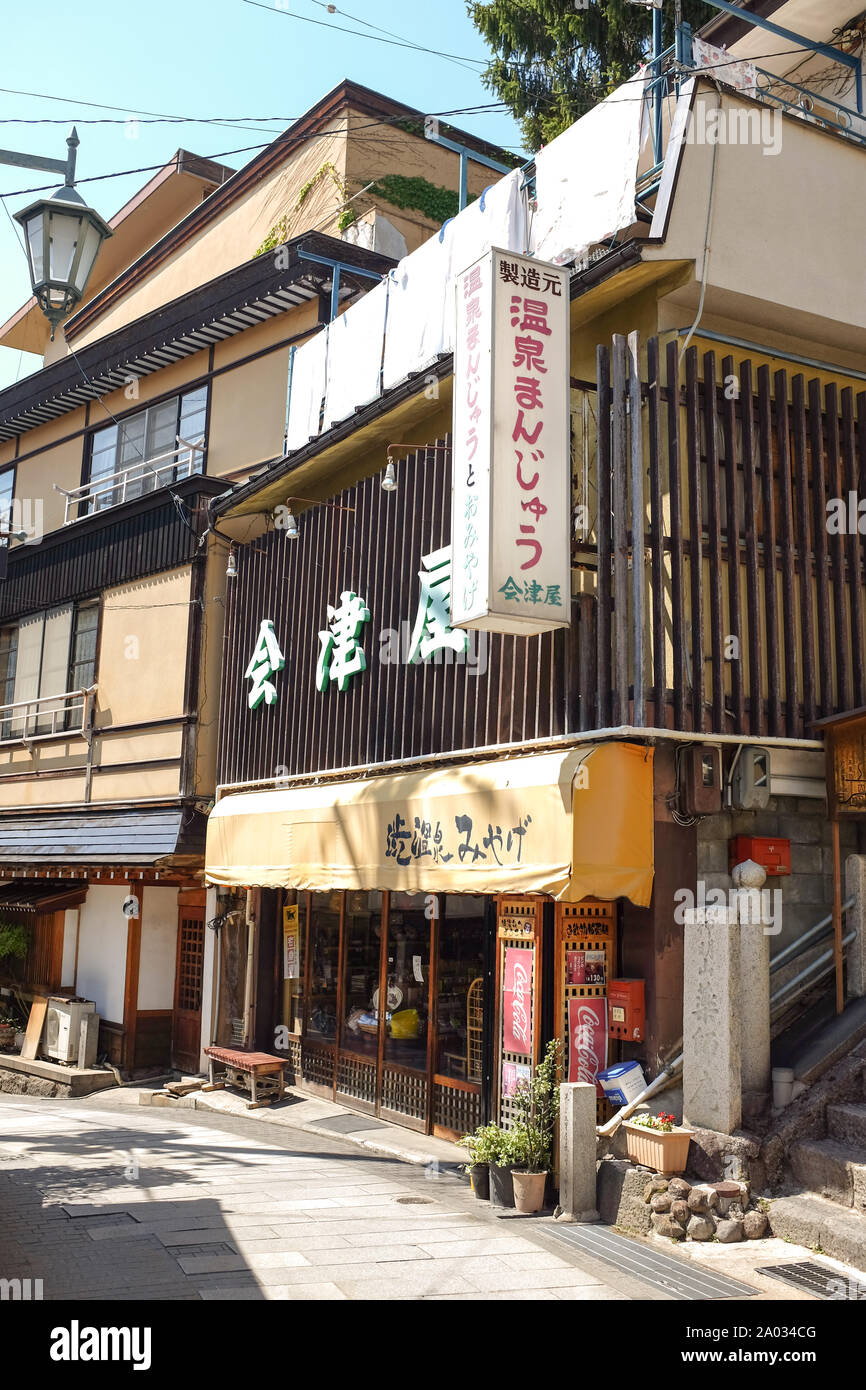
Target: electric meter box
[(701, 780), (750, 783)]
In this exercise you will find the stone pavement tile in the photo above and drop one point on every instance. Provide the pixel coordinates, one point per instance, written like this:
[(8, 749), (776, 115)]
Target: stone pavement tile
[(534, 1295), (358, 1216), (376, 1289), (378, 1254), (371, 1199), (231, 1293), (493, 1245), (126, 1231), (214, 1264), (209, 1235), (599, 1293), (295, 1240), (536, 1259), (503, 1280), (414, 1235)]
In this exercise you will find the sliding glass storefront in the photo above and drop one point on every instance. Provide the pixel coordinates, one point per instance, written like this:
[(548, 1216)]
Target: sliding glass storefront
[(385, 1010)]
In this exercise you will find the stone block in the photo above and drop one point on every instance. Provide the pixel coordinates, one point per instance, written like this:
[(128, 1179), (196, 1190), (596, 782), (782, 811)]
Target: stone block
[(679, 1187), (661, 1201), (729, 1231), (800, 830), (755, 1225), (702, 1200), (712, 1083), (712, 857), (823, 1166), (716, 827), (664, 1225), (620, 1189), (680, 1211), (655, 1185), (577, 1150), (701, 1228)]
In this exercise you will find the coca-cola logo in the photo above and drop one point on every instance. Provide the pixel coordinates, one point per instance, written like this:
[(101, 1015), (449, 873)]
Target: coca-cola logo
[(520, 995), (586, 1050)]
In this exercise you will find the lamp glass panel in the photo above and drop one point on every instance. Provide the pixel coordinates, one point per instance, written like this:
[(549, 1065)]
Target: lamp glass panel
[(92, 243), (64, 230), (34, 241)]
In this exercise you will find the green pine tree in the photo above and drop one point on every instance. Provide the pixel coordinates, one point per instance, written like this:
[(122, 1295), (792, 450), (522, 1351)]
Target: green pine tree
[(552, 62)]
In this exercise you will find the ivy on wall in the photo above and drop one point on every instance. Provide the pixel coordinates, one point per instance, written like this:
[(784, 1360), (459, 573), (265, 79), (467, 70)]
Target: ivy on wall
[(419, 194), (279, 233)]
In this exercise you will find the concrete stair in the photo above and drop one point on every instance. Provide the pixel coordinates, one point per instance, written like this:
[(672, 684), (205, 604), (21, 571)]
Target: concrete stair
[(828, 1212)]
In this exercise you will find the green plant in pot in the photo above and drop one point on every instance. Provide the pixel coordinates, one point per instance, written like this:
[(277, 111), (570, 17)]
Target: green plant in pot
[(536, 1106), (14, 940), (508, 1153), (483, 1148)]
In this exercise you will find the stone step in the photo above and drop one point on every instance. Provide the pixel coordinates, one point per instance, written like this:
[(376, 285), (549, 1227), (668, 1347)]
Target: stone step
[(821, 1226), (847, 1124), (831, 1170)]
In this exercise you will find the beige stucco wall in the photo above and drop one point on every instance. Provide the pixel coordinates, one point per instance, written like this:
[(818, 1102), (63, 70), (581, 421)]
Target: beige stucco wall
[(248, 413), (142, 649), (786, 238), (35, 479), (234, 236)]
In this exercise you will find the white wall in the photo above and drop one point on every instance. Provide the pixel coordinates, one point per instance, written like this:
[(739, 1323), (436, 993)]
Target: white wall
[(102, 950), (70, 936), (158, 947)]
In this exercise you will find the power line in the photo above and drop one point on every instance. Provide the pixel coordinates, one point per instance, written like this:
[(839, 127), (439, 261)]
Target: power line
[(373, 38)]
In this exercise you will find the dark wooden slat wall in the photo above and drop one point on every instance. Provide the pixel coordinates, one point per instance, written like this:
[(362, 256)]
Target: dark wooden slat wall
[(752, 469), (757, 503), (87, 562), (393, 711)]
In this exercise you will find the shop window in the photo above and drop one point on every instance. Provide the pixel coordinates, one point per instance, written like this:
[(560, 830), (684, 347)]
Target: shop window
[(324, 966), (410, 920), (460, 993), (362, 951)]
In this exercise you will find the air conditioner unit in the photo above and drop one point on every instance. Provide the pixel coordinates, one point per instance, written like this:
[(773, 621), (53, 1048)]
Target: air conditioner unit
[(61, 1037)]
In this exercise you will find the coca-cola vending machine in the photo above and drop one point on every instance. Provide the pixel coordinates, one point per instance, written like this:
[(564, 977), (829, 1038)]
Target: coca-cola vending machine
[(585, 946), (518, 997)]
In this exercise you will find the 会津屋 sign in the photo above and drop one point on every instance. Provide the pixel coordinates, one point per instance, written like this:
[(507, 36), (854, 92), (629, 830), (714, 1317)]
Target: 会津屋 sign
[(511, 564)]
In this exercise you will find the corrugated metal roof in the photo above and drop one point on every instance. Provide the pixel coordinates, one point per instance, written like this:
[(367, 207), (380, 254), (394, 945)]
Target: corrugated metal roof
[(90, 837)]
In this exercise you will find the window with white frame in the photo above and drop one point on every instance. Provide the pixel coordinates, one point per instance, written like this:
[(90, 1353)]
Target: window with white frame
[(44, 659), (7, 492), (120, 453)]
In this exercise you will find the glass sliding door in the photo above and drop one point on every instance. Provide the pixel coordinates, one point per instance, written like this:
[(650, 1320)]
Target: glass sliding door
[(322, 977), (458, 1053), (406, 1062), (360, 1007)]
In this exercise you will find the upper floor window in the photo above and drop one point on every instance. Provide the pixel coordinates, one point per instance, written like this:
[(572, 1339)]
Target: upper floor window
[(144, 451), (44, 659), (7, 491)]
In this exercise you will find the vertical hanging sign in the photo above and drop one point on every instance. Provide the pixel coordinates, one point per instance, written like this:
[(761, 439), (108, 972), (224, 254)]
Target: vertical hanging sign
[(511, 563), (291, 943)]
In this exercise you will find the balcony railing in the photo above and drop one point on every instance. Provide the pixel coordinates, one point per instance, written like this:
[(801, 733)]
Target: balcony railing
[(146, 475), (47, 716)]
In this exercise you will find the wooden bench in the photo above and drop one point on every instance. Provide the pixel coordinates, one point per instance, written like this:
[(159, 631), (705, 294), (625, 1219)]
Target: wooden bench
[(260, 1074)]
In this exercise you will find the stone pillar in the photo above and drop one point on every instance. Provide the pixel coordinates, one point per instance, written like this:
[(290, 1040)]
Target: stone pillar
[(577, 1146), (855, 918), (712, 1085), (754, 913)]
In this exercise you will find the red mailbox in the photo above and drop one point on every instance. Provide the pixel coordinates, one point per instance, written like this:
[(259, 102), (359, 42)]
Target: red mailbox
[(626, 1009), (771, 853)]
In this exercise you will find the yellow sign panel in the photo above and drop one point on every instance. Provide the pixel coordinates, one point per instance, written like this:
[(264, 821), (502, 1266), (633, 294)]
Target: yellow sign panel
[(291, 943)]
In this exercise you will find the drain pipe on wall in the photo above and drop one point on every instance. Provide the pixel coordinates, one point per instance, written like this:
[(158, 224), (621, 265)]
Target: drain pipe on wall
[(664, 1078)]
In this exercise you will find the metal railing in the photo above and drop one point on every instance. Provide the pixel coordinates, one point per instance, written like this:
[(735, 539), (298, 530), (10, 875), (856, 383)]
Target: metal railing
[(47, 716), (146, 475), (816, 970)]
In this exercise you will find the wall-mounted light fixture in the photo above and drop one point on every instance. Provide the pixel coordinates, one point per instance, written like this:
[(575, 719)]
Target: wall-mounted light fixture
[(290, 525), (232, 566), (389, 477)]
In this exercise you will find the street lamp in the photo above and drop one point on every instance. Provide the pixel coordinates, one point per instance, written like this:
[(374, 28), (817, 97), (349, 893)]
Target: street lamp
[(62, 236)]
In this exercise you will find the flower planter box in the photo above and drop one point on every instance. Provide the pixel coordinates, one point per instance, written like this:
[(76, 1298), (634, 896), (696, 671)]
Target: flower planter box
[(667, 1152)]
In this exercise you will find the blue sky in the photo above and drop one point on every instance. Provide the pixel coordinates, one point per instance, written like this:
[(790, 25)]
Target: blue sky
[(205, 58)]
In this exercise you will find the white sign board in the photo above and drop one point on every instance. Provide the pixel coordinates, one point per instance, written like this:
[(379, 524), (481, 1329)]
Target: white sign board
[(511, 485)]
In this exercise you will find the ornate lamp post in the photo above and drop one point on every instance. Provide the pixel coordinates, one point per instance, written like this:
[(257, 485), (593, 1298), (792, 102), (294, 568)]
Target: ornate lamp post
[(62, 235)]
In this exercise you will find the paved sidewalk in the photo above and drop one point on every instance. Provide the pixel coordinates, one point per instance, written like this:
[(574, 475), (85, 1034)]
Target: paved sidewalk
[(122, 1202)]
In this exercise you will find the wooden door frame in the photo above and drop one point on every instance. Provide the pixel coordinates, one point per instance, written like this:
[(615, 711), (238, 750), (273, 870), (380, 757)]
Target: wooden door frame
[(191, 901)]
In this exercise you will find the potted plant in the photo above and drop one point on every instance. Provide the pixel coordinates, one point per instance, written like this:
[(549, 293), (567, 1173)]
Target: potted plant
[(14, 940), (537, 1108), (507, 1154), (657, 1141), (8, 1029), (483, 1149)]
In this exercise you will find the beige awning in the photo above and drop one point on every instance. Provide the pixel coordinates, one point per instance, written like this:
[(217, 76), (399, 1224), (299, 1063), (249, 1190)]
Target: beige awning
[(572, 825)]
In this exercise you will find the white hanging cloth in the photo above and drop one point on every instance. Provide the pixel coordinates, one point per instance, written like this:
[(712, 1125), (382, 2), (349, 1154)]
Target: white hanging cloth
[(355, 341), (585, 179), (421, 309), (307, 390)]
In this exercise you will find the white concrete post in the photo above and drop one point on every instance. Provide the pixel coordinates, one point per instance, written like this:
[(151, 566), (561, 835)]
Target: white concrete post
[(577, 1146), (712, 1084), (855, 918), (754, 915)]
